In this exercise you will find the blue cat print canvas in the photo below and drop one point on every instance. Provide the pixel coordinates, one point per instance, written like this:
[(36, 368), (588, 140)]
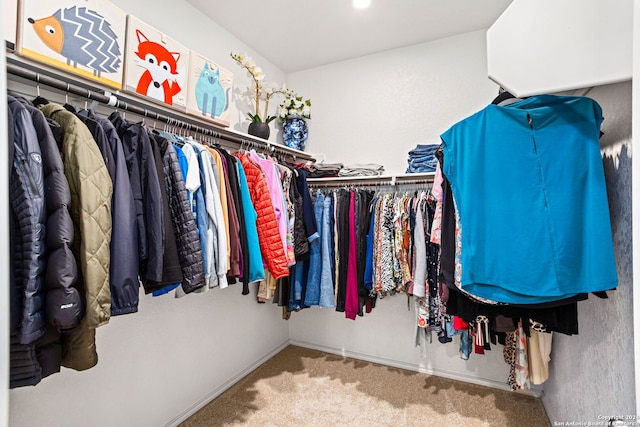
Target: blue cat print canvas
[(211, 97), (210, 90)]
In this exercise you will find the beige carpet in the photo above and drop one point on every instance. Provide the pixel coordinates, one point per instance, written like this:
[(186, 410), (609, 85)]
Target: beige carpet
[(302, 387)]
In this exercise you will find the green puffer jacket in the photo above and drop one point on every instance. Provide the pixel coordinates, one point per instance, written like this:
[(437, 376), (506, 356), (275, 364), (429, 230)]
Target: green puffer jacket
[(91, 192)]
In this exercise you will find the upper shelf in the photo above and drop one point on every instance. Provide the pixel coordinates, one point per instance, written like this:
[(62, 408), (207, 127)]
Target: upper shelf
[(46, 76), (548, 46)]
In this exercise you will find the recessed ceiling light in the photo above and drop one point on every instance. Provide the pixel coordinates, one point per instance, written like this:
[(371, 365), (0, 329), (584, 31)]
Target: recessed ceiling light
[(361, 4)]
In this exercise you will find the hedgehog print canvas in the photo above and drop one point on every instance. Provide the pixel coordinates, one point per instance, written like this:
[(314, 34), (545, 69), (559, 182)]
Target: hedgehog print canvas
[(210, 89), (155, 65), (84, 37)]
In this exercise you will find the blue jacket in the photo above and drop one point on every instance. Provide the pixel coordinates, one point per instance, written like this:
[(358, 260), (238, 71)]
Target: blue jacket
[(256, 269)]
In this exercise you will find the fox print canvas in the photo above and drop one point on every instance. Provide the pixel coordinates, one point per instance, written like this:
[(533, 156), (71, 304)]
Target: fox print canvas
[(210, 90), (156, 66), (84, 37)]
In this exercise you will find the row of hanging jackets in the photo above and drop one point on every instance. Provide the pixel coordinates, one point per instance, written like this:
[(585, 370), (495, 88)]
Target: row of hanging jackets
[(100, 205)]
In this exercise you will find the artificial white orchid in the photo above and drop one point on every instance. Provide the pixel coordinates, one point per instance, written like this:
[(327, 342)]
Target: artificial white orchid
[(258, 90)]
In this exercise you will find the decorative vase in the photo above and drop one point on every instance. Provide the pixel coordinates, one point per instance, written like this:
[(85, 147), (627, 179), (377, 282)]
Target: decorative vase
[(295, 132), (259, 129)]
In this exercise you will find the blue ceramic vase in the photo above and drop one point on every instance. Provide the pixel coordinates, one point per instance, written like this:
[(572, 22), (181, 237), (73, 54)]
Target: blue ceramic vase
[(295, 132)]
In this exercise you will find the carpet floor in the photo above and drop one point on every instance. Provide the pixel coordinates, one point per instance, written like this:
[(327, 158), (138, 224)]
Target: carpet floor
[(303, 387)]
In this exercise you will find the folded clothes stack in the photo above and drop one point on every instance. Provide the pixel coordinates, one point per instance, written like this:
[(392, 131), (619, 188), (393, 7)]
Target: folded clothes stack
[(324, 170), (422, 159), (362, 169)]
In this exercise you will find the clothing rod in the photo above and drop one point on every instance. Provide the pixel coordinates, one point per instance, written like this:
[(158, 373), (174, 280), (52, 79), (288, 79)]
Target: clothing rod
[(45, 77), (326, 184), (390, 183), (380, 180)]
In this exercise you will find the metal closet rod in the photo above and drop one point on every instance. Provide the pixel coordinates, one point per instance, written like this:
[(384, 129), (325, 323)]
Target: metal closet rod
[(182, 121), (367, 182)]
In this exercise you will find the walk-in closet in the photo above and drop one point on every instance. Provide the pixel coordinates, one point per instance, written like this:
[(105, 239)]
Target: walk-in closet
[(364, 213)]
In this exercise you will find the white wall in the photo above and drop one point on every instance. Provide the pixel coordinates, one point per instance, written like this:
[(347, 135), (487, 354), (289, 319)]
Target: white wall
[(376, 108), (157, 366)]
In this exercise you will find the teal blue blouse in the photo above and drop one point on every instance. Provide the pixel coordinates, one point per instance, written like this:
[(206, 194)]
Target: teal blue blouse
[(529, 185)]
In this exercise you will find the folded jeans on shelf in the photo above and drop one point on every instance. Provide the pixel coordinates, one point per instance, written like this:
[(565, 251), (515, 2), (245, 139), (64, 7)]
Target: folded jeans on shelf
[(424, 149)]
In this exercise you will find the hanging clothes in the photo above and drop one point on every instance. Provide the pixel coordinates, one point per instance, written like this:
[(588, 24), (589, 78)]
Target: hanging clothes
[(171, 269), (124, 268), (91, 191), (27, 228), (234, 223), (312, 294), (145, 185), (327, 255), (256, 269), (546, 187), (183, 223), (218, 175), (216, 230), (351, 289), (267, 226)]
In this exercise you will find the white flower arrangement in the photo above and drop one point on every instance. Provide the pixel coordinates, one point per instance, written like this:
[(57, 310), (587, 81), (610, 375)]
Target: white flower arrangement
[(294, 105)]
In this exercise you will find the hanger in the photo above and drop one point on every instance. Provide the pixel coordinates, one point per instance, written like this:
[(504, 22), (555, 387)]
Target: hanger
[(505, 98), (39, 100)]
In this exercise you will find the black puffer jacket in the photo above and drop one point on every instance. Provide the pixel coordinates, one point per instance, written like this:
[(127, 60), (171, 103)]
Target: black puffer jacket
[(184, 225), (26, 192), (24, 369), (64, 305)]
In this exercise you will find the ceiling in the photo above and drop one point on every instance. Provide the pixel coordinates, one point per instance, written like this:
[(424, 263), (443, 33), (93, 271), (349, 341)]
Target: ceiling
[(296, 35)]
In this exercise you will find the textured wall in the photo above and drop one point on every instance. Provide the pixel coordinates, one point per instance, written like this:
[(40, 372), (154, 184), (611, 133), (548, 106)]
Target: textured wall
[(592, 373)]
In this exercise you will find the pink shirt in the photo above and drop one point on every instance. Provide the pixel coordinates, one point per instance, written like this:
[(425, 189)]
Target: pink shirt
[(275, 191)]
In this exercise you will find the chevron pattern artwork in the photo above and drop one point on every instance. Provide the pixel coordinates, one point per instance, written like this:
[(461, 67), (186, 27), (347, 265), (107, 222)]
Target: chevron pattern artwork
[(84, 37)]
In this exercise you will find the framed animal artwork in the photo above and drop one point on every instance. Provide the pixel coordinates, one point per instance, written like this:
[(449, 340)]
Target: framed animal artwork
[(84, 37), (156, 66), (10, 22), (210, 89)]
